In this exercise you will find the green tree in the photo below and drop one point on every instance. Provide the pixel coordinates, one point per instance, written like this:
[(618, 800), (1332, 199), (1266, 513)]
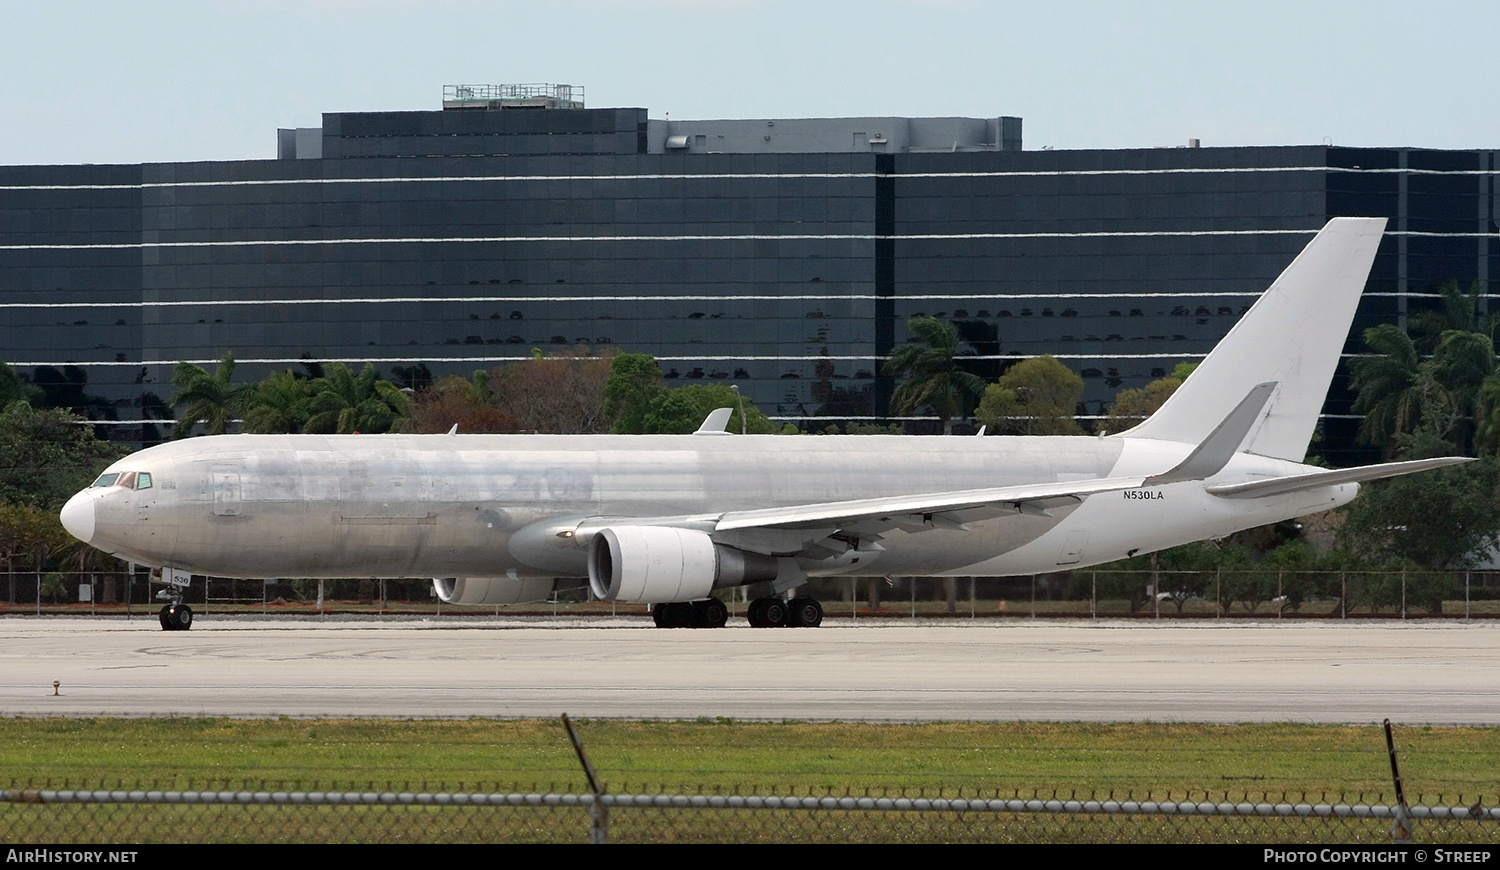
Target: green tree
[(24, 529), (1439, 519), (1487, 417), (345, 403), (632, 391), (638, 403), (14, 388), (47, 454), (706, 398), (282, 403), (1449, 397), (211, 399), (933, 378), (1131, 407), (1458, 310), (1037, 396), (669, 412)]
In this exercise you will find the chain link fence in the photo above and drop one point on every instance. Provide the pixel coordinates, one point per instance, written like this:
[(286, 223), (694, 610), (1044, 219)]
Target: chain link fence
[(43, 815), (1259, 593)]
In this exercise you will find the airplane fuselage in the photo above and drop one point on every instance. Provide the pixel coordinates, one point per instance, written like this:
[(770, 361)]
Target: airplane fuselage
[(498, 506)]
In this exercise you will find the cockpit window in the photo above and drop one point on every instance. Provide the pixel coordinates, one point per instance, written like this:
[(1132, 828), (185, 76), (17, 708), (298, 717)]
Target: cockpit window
[(127, 479)]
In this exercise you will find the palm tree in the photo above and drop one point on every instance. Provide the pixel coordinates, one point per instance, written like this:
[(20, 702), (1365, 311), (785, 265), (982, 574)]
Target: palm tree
[(279, 404), (934, 378), (347, 403), (1445, 396), (213, 400), (1459, 310), (1388, 385)]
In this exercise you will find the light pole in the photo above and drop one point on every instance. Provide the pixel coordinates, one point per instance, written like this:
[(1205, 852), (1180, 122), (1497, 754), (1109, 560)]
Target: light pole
[(743, 425)]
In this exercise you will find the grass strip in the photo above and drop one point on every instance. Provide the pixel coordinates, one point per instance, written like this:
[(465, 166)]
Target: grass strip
[(1441, 765)]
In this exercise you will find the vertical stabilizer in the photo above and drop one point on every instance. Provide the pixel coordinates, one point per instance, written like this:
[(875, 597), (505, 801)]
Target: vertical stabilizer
[(1292, 335)]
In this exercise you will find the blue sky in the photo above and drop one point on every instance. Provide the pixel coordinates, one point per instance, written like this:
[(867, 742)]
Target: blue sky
[(151, 80)]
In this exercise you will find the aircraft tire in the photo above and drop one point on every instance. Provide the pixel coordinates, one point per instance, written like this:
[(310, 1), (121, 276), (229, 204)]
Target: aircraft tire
[(804, 613), (165, 616), (710, 613), (774, 612), (676, 614)]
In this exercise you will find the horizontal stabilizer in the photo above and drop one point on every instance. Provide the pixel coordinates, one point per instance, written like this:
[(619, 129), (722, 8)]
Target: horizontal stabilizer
[(1317, 479)]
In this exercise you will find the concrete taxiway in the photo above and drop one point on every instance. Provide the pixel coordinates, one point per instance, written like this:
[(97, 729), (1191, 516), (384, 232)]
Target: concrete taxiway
[(1435, 672)]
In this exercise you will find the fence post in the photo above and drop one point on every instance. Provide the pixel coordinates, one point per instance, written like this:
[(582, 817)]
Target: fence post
[(1218, 592), (1094, 595), (598, 812), (1401, 828), (1403, 593), (1280, 596), (1343, 595), (1466, 596)]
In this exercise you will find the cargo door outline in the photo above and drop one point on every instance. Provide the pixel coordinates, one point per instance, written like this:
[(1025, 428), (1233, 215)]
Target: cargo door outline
[(224, 483), (1073, 546)]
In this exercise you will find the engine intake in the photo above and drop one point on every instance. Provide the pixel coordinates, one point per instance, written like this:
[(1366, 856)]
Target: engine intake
[(661, 564), (491, 590)]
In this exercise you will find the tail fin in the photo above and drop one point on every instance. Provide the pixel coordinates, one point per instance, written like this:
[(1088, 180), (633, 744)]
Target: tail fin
[(1292, 335)]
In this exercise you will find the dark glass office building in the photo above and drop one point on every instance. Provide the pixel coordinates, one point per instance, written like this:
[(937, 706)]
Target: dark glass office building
[(780, 255)]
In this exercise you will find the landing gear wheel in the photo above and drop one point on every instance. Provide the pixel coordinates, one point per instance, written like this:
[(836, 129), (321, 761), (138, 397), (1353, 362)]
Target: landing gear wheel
[(677, 614), (766, 613), (804, 613), (176, 617), (710, 613)]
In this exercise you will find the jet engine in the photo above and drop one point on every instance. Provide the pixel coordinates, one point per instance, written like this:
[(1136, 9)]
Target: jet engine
[(491, 590), (661, 564)]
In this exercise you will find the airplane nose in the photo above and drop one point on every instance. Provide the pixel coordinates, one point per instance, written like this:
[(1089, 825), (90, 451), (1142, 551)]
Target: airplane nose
[(78, 516)]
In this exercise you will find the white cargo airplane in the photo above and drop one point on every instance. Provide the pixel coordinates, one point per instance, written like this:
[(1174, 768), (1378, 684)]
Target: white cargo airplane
[(668, 519)]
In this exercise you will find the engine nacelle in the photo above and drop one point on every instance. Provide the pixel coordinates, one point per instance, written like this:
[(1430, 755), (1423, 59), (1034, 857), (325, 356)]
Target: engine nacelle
[(661, 564), (491, 590)]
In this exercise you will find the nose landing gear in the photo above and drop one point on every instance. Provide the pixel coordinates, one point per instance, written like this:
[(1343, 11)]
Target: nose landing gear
[(176, 617)]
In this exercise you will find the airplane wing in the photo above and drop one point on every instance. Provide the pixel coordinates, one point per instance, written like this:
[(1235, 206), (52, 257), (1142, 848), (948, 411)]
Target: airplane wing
[(940, 509), (1313, 480), (927, 508)]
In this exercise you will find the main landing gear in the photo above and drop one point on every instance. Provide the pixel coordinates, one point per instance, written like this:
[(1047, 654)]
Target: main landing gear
[(711, 613), (796, 613), (708, 613), (176, 617)]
